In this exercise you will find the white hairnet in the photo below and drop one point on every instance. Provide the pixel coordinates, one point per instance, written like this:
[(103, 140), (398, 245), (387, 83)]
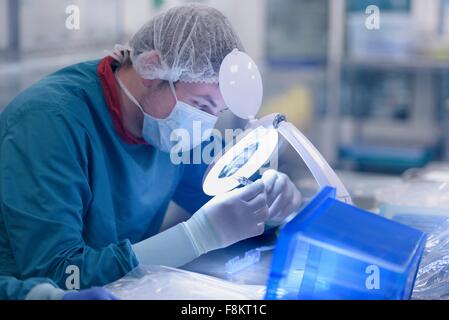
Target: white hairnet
[(191, 41)]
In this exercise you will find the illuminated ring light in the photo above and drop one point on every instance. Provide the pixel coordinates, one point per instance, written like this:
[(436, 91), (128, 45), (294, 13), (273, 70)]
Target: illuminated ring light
[(257, 146)]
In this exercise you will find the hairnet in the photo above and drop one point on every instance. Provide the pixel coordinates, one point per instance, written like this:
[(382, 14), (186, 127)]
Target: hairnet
[(191, 41)]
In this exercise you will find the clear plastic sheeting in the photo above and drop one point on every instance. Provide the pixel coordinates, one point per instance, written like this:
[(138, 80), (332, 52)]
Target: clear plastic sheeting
[(432, 281), (415, 193), (436, 172), (165, 283), (423, 205), (237, 264)]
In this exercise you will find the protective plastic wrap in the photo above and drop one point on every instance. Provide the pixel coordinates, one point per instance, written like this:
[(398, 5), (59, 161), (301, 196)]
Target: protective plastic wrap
[(164, 283), (423, 205), (432, 281), (426, 194)]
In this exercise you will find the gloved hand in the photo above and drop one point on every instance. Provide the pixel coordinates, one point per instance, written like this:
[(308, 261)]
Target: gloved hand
[(95, 293), (283, 198), (236, 215)]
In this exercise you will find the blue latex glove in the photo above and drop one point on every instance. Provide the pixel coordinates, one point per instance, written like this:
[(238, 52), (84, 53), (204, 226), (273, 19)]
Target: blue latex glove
[(95, 293)]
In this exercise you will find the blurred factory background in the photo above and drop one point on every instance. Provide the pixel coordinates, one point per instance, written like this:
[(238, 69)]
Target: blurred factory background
[(370, 100)]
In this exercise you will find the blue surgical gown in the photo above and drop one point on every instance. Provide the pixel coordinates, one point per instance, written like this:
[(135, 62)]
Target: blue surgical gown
[(15, 289), (72, 192)]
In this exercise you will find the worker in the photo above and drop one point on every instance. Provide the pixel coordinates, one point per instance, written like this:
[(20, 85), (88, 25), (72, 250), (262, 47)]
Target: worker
[(45, 289), (85, 168)]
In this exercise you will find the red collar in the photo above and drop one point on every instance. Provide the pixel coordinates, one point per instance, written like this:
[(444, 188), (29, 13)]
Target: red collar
[(106, 75)]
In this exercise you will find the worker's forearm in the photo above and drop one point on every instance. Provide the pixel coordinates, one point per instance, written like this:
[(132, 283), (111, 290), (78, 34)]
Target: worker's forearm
[(173, 247), (86, 265)]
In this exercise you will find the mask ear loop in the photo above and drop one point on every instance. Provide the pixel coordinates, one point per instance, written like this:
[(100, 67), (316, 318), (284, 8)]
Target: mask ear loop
[(128, 93), (172, 87)]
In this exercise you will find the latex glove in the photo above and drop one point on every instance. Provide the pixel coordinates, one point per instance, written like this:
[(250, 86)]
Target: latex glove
[(95, 293), (229, 218), (283, 198)]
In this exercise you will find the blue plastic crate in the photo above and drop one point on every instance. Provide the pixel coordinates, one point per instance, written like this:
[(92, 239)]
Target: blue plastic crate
[(332, 250)]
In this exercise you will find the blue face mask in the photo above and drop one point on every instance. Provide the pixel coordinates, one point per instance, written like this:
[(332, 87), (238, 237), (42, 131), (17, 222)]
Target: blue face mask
[(185, 127)]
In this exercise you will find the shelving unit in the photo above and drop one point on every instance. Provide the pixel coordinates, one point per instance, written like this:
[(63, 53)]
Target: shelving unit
[(356, 142)]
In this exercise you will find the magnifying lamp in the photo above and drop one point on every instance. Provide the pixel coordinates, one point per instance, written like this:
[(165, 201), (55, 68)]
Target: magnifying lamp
[(242, 90)]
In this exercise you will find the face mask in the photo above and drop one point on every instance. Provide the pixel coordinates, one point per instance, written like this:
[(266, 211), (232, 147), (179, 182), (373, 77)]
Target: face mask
[(185, 128)]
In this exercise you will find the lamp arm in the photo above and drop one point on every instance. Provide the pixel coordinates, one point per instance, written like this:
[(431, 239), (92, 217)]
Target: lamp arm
[(321, 171)]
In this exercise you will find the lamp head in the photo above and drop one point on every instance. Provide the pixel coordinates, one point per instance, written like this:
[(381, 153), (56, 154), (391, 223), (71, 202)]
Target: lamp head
[(241, 84)]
